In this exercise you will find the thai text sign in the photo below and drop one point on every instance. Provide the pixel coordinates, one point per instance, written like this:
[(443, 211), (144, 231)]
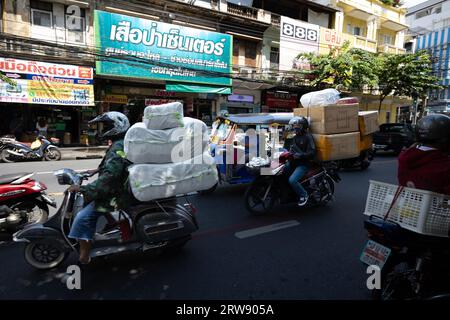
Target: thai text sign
[(331, 37), (140, 48), (46, 83)]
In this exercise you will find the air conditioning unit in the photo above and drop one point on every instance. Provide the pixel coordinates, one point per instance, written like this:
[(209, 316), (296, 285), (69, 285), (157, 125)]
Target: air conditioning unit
[(247, 73)]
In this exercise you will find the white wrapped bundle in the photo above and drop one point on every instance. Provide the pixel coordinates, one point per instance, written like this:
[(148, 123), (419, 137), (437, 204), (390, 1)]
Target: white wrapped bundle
[(158, 181), (164, 116), (144, 145)]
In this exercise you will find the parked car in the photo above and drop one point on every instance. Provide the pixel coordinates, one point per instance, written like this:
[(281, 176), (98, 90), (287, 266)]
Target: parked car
[(393, 137)]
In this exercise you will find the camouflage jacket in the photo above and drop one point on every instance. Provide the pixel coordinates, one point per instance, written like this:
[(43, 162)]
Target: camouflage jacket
[(110, 190)]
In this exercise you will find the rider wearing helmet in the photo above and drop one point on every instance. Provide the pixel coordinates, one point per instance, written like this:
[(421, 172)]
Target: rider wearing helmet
[(108, 190), (426, 164), (303, 150)]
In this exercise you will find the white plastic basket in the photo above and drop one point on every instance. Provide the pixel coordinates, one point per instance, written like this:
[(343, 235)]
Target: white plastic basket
[(417, 210)]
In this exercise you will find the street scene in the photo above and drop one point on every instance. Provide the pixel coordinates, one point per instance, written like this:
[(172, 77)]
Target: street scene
[(224, 150), (317, 257)]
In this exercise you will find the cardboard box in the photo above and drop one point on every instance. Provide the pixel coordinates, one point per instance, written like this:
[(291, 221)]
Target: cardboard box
[(365, 142), (331, 119), (337, 146), (368, 122)]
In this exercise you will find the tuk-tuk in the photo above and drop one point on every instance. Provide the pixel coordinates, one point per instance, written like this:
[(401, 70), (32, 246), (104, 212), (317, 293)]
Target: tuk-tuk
[(236, 139)]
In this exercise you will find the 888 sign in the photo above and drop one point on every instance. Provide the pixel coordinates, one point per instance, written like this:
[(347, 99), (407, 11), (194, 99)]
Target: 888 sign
[(299, 32)]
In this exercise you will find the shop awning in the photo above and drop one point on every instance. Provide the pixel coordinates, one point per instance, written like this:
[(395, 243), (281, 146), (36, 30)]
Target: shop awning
[(197, 88)]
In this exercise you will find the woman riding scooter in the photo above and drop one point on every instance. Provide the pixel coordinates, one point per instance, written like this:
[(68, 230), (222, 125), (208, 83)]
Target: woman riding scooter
[(303, 149)]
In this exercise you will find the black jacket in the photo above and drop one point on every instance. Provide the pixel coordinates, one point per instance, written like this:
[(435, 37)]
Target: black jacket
[(303, 148)]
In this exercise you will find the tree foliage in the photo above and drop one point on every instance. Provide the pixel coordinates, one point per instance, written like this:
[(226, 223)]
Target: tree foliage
[(356, 69), (406, 75), (350, 67)]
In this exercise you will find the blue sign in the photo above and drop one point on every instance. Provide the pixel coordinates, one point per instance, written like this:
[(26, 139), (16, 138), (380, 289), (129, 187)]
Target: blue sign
[(140, 48)]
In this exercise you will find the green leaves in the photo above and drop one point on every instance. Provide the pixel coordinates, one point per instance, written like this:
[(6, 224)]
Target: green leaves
[(4, 78), (356, 69), (407, 75), (353, 68)]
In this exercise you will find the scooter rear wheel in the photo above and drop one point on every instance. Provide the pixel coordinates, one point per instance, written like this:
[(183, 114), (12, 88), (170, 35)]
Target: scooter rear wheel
[(44, 255), (6, 156)]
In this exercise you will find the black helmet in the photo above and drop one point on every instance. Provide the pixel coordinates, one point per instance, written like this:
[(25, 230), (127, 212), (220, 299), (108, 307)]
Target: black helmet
[(433, 129), (299, 122), (115, 125)]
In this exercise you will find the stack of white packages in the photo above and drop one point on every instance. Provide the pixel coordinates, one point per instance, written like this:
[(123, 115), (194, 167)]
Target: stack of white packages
[(169, 153)]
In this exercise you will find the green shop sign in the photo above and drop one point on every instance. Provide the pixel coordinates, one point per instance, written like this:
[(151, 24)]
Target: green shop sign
[(140, 48)]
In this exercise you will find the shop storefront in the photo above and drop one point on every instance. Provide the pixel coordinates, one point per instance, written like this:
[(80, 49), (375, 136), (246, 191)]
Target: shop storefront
[(280, 101), (58, 97), (242, 101), (131, 98)]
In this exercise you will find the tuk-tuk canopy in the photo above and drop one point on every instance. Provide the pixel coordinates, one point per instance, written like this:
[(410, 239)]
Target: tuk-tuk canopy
[(259, 118)]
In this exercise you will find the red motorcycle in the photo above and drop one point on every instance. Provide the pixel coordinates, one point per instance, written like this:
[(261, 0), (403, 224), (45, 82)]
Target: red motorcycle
[(24, 201)]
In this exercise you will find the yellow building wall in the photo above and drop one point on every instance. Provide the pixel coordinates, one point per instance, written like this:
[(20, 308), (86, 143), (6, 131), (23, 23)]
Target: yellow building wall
[(389, 107), (355, 23), (387, 32)]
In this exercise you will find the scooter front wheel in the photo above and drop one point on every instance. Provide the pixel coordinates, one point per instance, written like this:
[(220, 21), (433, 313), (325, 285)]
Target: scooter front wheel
[(259, 197), (52, 154), (44, 255)]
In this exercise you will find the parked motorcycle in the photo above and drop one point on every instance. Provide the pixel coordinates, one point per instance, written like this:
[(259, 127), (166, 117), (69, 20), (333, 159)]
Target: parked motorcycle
[(413, 266), (268, 190), (13, 150), (26, 200), (156, 225)]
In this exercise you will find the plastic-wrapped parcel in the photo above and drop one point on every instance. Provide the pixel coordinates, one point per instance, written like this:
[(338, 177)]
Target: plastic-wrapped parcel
[(164, 116), (158, 181), (320, 98), (144, 145)]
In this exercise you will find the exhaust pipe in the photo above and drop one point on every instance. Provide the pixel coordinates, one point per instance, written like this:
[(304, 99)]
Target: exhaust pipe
[(15, 153)]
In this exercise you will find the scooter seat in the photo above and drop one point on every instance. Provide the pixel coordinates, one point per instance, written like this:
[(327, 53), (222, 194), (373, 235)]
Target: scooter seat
[(8, 178), (311, 173)]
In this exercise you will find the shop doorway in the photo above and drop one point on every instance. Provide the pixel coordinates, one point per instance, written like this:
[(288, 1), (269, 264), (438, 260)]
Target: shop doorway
[(203, 110)]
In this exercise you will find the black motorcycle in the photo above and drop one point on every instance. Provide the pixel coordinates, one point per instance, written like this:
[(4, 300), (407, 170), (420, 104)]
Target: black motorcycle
[(413, 266), (13, 150), (151, 226), (267, 190)]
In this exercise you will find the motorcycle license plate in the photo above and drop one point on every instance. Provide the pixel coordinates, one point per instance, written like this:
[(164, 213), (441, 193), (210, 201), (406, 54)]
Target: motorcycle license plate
[(375, 254)]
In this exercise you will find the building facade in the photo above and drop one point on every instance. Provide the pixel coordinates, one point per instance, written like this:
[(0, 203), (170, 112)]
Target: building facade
[(430, 31), (212, 55)]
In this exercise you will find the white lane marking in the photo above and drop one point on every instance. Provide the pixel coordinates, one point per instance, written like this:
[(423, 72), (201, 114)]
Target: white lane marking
[(56, 194), (273, 227)]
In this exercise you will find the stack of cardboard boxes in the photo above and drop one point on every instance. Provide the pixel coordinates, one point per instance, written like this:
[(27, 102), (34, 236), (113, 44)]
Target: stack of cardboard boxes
[(340, 131)]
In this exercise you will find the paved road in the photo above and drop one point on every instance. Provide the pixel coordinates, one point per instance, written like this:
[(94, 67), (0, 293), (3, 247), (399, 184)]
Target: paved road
[(315, 258)]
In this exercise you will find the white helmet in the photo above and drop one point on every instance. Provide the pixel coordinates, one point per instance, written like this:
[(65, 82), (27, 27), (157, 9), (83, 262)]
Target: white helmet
[(115, 124)]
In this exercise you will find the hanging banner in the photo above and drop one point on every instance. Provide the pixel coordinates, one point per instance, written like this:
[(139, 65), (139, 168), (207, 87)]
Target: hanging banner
[(46, 83), (296, 37), (141, 48)]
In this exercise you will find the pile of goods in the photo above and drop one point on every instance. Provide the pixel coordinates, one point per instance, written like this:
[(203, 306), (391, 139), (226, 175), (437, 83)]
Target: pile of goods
[(339, 129), (169, 154)]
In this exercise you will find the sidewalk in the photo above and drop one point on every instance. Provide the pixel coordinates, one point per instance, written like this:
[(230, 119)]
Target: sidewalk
[(83, 153)]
